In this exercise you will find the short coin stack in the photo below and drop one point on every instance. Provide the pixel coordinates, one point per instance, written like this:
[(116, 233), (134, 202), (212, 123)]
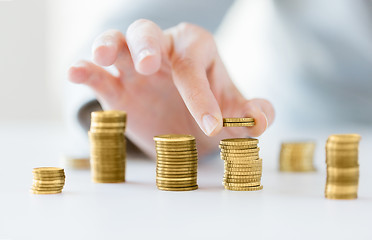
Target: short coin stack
[(297, 157), (238, 122), (107, 146), (342, 166), (243, 166), (48, 180), (177, 162)]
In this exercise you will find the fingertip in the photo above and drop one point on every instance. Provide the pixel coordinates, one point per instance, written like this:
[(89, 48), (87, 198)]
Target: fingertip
[(148, 62), (261, 121), (211, 125), (105, 55), (78, 72)]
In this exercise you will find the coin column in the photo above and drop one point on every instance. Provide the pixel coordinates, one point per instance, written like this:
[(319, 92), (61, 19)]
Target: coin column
[(107, 146), (297, 157), (342, 166), (243, 166), (48, 180), (177, 162)]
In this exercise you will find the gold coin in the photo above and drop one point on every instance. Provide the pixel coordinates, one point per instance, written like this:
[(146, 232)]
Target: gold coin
[(174, 175), (176, 169), (249, 162), (239, 141), (239, 154), (250, 150), (175, 149), (175, 172), (236, 159), (236, 120), (45, 192), (250, 184), (177, 160), (238, 147), (178, 189), (176, 185), (341, 196), (59, 181), (247, 173), (174, 138), (176, 179), (170, 152), (238, 124), (253, 169), (232, 165), (244, 188), (171, 167), (344, 138), (238, 180), (48, 170)]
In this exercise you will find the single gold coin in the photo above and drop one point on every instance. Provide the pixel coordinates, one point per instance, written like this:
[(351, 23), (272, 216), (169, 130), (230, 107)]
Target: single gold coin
[(252, 165), (174, 175), (236, 120), (236, 159), (45, 192), (176, 179), (254, 169), (237, 147), (176, 169), (249, 150), (249, 162), (174, 138), (244, 188), (178, 189), (250, 184), (344, 138), (239, 154), (247, 173), (177, 160), (239, 141), (238, 180), (174, 172), (238, 124), (341, 196), (176, 150)]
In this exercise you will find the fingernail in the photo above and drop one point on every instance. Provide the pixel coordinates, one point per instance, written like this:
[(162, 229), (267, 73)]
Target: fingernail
[(209, 123), (143, 54)]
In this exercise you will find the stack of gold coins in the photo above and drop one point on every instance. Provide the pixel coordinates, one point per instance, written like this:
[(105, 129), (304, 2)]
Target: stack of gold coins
[(177, 162), (238, 122), (107, 146), (342, 166), (243, 166), (297, 157), (48, 180)]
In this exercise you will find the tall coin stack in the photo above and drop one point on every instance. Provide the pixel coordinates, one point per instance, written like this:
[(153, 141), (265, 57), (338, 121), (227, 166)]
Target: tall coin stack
[(177, 162), (243, 166), (297, 157), (107, 146), (48, 180), (342, 166)]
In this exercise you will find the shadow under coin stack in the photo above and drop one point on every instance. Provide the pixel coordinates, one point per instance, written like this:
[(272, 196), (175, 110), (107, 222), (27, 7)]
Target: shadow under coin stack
[(297, 157), (48, 180), (107, 146), (177, 162), (243, 167), (342, 166)]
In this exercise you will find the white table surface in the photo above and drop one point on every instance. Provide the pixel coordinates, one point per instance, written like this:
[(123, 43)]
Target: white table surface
[(291, 205)]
